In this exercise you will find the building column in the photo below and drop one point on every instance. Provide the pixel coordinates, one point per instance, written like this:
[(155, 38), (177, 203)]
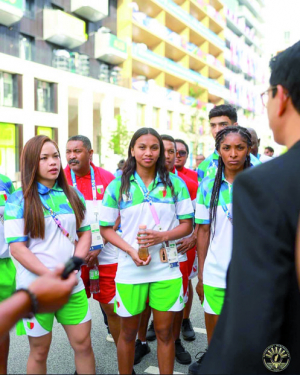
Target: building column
[(85, 113)]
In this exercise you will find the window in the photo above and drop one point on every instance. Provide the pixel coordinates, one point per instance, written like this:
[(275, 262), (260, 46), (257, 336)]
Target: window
[(45, 96), (10, 149), (140, 115), (29, 8), (10, 87), (182, 123), (155, 118), (287, 36), (26, 47), (169, 120), (52, 133)]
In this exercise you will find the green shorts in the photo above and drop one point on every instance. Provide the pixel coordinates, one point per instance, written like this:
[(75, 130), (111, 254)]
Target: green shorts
[(7, 278), (74, 312), (164, 295), (213, 299)]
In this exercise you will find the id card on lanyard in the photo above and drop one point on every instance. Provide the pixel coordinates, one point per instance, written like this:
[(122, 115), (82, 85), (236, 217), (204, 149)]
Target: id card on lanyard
[(168, 252), (97, 241)]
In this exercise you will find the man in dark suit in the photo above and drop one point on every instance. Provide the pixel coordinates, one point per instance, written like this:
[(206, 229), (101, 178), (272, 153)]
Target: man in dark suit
[(262, 302)]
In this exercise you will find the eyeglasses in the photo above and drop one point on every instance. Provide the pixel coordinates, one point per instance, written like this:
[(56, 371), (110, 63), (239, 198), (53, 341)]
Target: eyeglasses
[(265, 95), (181, 153)]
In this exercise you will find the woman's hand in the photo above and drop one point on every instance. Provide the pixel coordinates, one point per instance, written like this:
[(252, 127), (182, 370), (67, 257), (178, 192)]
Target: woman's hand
[(135, 257), (200, 291), (150, 237)]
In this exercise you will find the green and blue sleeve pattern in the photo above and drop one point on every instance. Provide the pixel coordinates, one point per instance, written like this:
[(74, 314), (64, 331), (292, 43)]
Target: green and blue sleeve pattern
[(85, 224), (110, 204), (203, 201), (183, 204), (14, 218)]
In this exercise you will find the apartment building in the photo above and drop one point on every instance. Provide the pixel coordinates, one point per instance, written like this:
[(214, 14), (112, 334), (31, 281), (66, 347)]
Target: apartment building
[(103, 68), (246, 70)]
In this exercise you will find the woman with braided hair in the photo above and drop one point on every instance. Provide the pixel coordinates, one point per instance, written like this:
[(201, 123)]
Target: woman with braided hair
[(214, 214)]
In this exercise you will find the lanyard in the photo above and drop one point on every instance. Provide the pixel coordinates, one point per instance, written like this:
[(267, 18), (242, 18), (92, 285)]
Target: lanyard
[(176, 172), (58, 223), (225, 208), (146, 193), (92, 179)]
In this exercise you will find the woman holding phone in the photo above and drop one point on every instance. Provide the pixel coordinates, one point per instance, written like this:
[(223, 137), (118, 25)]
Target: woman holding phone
[(45, 225)]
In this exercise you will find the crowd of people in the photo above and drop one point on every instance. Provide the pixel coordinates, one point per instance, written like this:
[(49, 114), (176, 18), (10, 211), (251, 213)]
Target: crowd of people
[(147, 231)]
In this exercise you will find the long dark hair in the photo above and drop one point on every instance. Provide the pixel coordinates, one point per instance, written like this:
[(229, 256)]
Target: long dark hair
[(130, 165), (244, 133), (33, 208)]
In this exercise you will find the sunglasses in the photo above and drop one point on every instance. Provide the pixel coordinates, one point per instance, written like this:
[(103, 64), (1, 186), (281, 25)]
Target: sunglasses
[(181, 153)]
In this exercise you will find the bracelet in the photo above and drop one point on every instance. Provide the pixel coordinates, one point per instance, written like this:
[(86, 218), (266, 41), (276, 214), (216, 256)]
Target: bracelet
[(33, 301)]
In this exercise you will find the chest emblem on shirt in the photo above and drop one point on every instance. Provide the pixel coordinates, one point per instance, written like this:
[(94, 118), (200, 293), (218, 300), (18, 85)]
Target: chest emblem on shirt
[(100, 189), (162, 192)]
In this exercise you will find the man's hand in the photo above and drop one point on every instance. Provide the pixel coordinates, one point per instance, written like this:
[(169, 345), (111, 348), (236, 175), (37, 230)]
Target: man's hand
[(199, 290), (51, 291), (91, 259), (186, 244)]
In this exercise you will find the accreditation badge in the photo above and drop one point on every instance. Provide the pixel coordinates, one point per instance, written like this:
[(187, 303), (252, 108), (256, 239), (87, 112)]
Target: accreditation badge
[(172, 254), (97, 240)]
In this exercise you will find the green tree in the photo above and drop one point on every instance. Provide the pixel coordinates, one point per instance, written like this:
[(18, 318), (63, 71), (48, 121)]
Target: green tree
[(120, 138)]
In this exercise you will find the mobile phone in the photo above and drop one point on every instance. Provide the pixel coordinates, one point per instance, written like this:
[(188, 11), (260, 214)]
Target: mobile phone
[(72, 264)]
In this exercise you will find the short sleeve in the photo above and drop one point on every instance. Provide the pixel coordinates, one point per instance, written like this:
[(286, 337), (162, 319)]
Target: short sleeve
[(202, 207), (14, 218), (110, 207), (85, 224), (183, 204)]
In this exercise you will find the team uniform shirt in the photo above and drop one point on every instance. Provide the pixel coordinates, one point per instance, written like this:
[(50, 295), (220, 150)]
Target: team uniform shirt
[(108, 255), (220, 247), (55, 248), (189, 173), (134, 210), (6, 189), (209, 166)]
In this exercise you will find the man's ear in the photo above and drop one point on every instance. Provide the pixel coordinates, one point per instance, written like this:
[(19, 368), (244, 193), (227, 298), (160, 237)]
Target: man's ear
[(91, 152), (282, 99), (258, 142), (235, 124)]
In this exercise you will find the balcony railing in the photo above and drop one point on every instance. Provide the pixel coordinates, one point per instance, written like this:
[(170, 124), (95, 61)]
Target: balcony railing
[(63, 29), (11, 11), (92, 10)]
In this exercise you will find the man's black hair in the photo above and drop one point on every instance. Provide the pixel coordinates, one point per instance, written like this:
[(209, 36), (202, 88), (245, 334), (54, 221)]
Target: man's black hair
[(285, 72), (82, 138), (185, 145), (224, 110), (166, 137), (271, 149)]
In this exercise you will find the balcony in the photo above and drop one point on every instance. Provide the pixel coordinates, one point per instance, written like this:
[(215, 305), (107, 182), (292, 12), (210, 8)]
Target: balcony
[(150, 64), (63, 29), (109, 48), (92, 10), (11, 11)]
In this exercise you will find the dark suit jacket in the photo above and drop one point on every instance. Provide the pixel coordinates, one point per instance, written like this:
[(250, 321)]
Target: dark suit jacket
[(262, 302)]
